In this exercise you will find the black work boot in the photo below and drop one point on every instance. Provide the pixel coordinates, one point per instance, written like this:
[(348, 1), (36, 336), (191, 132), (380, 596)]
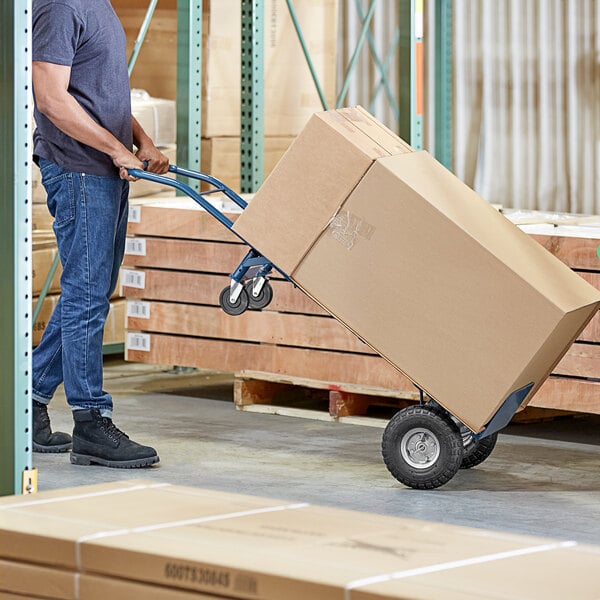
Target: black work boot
[(96, 440), (44, 439)]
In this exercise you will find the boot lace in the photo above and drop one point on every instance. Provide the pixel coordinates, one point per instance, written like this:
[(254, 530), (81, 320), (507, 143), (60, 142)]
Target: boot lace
[(111, 430)]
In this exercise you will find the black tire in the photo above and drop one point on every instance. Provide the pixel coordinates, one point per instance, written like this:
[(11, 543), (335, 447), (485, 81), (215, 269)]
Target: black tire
[(422, 447), (264, 297), (476, 451), (238, 307)]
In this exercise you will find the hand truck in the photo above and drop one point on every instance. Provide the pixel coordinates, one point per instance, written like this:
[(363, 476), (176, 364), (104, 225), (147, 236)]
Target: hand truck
[(423, 445)]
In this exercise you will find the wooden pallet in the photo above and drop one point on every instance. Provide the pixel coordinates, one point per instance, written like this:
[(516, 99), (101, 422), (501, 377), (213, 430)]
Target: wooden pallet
[(301, 397), (362, 405)]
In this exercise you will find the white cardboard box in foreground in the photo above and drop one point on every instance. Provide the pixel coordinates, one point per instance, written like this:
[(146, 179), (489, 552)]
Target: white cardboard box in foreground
[(234, 546), (419, 266)]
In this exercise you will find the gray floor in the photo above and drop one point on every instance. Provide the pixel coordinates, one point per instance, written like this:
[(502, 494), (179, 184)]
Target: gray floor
[(542, 479)]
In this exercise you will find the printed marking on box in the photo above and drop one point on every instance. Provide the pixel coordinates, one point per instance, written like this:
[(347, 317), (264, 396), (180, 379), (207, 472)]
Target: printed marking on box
[(134, 279), (135, 214), (138, 309), (135, 246), (138, 341)]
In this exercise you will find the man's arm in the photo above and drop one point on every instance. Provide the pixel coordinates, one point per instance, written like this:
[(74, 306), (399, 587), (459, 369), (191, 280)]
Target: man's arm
[(51, 84), (147, 151)]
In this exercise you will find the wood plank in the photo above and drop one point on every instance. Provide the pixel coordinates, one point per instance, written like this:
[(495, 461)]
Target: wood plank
[(204, 288), (413, 394), (592, 332), (267, 327), (581, 360), (179, 218), (186, 255), (222, 355), (563, 393), (577, 253)]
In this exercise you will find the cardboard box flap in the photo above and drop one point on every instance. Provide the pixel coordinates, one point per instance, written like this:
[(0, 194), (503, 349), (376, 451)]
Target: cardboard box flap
[(422, 174), (371, 127)]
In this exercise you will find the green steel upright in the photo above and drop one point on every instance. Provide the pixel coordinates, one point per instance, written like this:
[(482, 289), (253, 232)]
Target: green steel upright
[(252, 131), (15, 245), (443, 82), (410, 72), (189, 85)]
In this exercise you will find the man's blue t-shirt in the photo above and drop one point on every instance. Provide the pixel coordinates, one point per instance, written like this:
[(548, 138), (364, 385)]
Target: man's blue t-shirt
[(87, 36)]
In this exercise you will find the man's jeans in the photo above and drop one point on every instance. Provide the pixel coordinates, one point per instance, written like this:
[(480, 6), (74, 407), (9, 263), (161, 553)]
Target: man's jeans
[(90, 223)]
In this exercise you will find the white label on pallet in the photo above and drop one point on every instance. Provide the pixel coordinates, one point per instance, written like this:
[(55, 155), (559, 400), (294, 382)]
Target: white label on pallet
[(136, 246), (138, 309), (135, 214), (134, 279), (138, 341)]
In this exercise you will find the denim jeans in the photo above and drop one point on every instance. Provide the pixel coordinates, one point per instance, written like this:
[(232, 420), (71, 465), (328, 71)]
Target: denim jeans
[(90, 223)]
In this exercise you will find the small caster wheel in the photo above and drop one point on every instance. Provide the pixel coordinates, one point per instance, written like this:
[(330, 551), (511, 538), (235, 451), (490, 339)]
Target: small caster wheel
[(476, 451), (233, 308), (264, 296), (422, 447)]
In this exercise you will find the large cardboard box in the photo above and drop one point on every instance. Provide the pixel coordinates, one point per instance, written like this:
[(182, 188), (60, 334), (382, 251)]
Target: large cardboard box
[(234, 546), (421, 268), (290, 94)]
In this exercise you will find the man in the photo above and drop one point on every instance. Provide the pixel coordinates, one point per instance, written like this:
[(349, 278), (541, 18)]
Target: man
[(83, 145)]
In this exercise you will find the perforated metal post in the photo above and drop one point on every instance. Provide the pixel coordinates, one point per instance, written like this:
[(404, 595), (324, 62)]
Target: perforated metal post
[(189, 84), (15, 245), (252, 96), (443, 82), (410, 75)]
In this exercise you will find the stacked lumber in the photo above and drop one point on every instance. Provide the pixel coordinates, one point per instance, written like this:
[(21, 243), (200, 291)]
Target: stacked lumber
[(178, 261), (575, 240)]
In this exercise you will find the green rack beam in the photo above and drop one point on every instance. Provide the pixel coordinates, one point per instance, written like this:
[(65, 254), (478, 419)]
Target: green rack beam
[(252, 133), (189, 85), (443, 82), (15, 245), (410, 92)]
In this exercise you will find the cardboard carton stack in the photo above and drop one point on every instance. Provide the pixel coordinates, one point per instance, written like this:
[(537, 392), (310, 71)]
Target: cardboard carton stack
[(137, 539), (290, 94)]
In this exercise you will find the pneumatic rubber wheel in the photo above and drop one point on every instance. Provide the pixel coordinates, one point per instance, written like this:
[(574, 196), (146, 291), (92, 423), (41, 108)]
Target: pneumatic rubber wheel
[(233, 308), (476, 451), (264, 296), (422, 447)]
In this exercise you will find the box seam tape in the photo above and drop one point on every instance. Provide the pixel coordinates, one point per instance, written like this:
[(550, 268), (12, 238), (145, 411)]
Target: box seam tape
[(155, 527), (358, 583)]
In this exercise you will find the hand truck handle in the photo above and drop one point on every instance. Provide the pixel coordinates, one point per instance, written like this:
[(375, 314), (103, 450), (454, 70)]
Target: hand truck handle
[(217, 186)]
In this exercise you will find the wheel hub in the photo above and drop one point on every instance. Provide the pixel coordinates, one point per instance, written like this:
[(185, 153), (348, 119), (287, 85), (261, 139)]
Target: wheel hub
[(420, 448)]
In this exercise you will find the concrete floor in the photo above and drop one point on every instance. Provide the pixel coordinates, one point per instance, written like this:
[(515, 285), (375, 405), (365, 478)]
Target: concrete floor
[(542, 479)]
